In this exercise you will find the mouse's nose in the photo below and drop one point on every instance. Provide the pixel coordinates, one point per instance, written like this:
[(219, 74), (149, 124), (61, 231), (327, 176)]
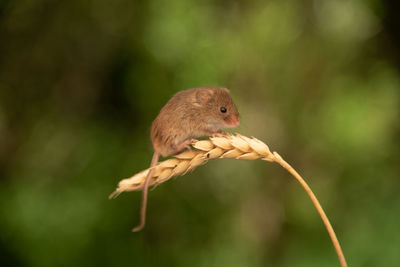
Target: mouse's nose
[(235, 121)]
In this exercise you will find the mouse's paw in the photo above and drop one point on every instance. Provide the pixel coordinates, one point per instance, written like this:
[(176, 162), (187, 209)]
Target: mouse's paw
[(186, 144)]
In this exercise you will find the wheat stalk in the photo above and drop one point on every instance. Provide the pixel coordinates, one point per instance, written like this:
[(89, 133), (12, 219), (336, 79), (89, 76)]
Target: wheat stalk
[(226, 146)]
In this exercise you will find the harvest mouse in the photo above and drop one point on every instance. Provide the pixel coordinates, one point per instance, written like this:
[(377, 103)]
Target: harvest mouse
[(189, 114)]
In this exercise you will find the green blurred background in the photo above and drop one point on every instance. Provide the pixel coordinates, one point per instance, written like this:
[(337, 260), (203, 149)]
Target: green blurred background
[(81, 82)]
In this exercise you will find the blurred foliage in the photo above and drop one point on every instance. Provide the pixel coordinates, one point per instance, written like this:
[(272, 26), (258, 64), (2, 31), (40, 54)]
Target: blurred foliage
[(81, 82)]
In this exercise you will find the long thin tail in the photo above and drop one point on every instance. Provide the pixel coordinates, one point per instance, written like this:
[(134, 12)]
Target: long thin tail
[(154, 162)]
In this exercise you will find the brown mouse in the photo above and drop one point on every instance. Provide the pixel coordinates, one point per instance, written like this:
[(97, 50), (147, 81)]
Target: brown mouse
[(189, 114)]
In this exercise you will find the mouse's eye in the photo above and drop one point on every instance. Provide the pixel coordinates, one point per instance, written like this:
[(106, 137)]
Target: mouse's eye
[(222, 109)]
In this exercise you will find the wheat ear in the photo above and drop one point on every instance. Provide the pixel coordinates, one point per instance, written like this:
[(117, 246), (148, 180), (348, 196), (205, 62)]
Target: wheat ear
[(227, 146)]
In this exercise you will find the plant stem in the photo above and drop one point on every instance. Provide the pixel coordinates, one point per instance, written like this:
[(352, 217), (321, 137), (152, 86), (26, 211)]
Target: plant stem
[(317, 205)]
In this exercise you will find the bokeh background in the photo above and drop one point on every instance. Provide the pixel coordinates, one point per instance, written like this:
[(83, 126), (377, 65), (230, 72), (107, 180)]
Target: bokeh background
[(81, 82)]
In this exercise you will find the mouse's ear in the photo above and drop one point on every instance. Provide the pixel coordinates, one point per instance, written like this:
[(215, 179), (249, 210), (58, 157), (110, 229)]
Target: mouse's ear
[(202, 96)]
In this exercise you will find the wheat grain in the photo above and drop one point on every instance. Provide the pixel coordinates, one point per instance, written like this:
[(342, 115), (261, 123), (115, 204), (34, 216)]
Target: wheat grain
[(226, 146), (229, 146)]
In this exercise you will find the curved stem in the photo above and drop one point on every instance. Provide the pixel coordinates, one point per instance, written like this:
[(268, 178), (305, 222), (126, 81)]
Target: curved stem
[(317, 205)]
